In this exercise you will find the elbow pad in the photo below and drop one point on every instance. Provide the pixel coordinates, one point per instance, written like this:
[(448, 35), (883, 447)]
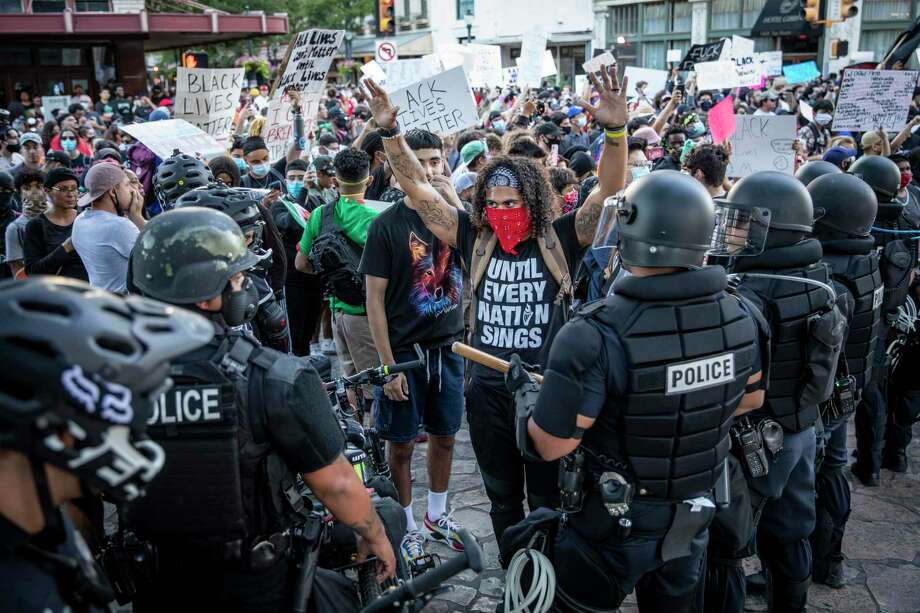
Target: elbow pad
[(575, 350), (272, 324)]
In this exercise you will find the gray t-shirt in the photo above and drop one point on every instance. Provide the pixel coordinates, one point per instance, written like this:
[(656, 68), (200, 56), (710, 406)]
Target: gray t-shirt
[(15, 232), (104, 241)]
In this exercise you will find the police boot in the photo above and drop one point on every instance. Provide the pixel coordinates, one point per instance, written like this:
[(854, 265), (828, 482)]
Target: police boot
[(895, 461), (784, 596), (869, 479)]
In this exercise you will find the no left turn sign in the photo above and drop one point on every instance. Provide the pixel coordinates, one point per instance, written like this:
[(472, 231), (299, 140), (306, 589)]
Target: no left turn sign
[(386, 51)]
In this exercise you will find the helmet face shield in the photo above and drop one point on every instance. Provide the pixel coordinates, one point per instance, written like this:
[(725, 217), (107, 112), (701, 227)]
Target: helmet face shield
[(740, 231), (607, 234)]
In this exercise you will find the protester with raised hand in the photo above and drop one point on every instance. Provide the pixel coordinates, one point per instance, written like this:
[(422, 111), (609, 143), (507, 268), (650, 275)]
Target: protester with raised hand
[(511, 247)]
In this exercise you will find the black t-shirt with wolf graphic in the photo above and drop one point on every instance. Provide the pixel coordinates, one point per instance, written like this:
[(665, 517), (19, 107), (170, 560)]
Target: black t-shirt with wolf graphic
[(515, 298), (423, 296)]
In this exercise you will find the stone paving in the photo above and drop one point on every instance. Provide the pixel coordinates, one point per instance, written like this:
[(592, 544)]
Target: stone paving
[(882, 542)]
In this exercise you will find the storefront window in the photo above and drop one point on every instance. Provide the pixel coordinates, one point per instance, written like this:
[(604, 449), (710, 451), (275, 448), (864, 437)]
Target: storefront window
[(624, 20), (764, 43), (682, 19), (15, 56), (724, 14), (681, 45), (464, 7), (10, 6), (47, 6), (92, 6), (655, 20), (877, 41), (653, 55), (886, 10), (750, 11), (60, 56)]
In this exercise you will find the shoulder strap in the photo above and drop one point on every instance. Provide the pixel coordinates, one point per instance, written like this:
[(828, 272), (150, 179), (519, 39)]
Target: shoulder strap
[(261, 362), (555, 261), (482, 253), (327, 218)]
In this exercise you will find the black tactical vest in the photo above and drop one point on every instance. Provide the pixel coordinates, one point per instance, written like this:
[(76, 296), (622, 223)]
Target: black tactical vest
[(690, 348), (221, 482), (859, 273), (898, 255), (788, 306)]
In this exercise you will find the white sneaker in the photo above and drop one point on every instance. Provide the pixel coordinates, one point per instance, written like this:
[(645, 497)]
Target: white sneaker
[(328, 346), (412, 546), (315, 349)]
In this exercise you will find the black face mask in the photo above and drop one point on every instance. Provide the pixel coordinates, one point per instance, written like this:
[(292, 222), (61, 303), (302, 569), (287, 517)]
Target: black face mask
[(567, 129), (239, 307)]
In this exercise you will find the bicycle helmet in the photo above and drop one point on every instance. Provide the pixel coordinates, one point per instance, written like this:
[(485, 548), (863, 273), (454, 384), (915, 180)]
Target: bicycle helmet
[(178, 174), (240, 204), (82, 361)]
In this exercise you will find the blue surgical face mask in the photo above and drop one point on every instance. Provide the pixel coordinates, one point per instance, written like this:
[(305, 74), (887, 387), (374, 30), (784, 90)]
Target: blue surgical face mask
[(68, 145), (499, 126), (638, 172), (241, 164), (696, 129), (294, 188), (260, 170)]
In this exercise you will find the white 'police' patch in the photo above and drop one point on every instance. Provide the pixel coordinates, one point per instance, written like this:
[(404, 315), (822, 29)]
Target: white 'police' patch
[(187, 404), (700, 374), (877, 296)]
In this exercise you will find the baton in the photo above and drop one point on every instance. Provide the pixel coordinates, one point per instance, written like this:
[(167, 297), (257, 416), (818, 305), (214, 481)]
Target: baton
[(488, 360)]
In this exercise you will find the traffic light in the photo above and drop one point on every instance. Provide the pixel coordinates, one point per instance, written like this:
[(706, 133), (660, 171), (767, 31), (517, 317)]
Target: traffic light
[(840, 48), (386, 17), (848, 9), (811, 11)]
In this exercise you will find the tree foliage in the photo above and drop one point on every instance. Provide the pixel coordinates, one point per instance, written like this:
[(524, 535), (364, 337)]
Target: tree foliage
[(306, 14)]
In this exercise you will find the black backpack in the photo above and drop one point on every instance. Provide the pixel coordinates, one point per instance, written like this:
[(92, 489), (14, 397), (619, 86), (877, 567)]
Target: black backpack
[(335, 258)]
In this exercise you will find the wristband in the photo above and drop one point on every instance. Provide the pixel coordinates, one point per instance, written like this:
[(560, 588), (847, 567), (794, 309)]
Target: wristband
[(617, 133), (389, 133)]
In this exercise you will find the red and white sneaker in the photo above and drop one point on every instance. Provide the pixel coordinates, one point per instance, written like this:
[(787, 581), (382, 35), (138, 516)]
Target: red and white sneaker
[(445, 529)]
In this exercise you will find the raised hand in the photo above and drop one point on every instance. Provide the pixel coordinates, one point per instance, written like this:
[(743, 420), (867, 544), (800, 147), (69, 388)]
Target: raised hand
[(611, 108), (379, 102)]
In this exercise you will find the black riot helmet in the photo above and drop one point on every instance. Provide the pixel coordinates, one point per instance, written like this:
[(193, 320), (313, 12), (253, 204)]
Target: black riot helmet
[(882, 175), (664, 219), (789, 204), (188, 255), (81, 360), (239, 203), (178, 174), (846, 206), (814, 169)]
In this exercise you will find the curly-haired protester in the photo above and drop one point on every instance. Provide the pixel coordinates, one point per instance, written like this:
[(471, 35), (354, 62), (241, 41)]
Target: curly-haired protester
[(707, 164), (520, 264)]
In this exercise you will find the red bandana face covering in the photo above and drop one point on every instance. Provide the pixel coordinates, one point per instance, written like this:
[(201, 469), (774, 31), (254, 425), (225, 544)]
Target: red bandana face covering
[(511, 226)]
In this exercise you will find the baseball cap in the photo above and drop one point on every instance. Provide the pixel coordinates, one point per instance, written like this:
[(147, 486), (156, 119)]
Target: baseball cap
[(323, 164), (98, 180), (581, 163), (58, 175), (869, 139), (548, 128), (107, 153), (165, 102), (30, 137), (472, 150), (465, 180), (58, 156), (838, 155), (649, 135), (574, 110)]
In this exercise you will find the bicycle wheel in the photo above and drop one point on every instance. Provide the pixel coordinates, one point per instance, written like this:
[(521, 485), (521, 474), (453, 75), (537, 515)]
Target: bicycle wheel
[(368, 588)]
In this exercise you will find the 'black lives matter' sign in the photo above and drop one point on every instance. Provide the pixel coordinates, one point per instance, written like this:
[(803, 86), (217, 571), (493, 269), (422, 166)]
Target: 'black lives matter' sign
[(310, 57), (442, 104)]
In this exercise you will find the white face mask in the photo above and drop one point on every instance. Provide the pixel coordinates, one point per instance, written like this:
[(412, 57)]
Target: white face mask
[(822, 119)]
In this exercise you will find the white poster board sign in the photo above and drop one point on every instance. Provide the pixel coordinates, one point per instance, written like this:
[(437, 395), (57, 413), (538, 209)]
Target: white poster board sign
[(442, 104), (674, 56), (762, 142), (771, 62), (656, 80), (206, 97), (533, 49), (749, 70), (373, 71), (164, 137), (53, 103), (604, 59), (741, 46), (309, 60), (716, 75), (405, 72), (279, 123), (482, 63), (870, 99), (510, 75)]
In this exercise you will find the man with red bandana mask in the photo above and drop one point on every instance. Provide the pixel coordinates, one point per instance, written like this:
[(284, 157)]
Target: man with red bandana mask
[(520, 262)]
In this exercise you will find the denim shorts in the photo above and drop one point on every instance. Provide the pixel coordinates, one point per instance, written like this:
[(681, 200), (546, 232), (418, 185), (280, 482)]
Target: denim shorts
[(435, 398)]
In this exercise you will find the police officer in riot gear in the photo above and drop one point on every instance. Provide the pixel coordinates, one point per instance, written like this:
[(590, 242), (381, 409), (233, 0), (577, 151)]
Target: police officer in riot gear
[(845, 208), (895, 225), (178, 174), (241, 423), (644, 384), (809, 171), (789, 285), (270, 323), (79, 371)]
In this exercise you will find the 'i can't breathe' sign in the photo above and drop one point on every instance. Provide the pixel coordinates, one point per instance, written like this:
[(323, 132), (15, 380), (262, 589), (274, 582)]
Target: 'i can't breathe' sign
[(442, 104)]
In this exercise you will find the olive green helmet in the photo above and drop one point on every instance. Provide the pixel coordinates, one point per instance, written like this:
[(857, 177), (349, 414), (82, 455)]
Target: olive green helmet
[(188, 255)]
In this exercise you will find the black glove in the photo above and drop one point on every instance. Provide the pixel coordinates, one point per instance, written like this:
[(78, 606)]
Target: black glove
[(517, 374)]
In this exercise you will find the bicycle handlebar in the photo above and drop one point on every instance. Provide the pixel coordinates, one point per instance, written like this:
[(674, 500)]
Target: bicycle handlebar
[(373, 375), (412, 590)]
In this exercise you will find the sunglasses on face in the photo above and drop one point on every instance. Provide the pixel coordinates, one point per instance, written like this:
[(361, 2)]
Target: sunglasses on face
[(68, 138)]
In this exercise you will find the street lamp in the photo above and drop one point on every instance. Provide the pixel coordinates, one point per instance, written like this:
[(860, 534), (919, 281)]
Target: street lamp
[(468, 20)]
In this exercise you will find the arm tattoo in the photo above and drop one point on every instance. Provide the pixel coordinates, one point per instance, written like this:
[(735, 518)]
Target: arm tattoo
[(434, 213), (403, 161), (368, 526), (586, 220)]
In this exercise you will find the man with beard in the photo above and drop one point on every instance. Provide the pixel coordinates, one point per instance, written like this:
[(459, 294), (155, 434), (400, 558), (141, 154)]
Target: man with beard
[(520, 264)]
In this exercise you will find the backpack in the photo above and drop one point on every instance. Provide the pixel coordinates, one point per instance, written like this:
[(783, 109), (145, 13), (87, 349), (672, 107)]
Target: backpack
[(335, 259)]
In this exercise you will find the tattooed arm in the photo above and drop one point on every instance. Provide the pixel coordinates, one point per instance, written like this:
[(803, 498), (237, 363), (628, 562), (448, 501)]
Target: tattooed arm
[(611, 171), (438, 215)]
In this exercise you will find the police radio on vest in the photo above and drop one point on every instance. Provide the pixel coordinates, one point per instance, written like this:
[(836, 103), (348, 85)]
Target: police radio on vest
[(700, 374), (186, 405)]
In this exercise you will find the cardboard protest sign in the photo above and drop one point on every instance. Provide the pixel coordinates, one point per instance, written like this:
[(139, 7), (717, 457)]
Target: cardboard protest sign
[(716, 75), (806, 110), (482, 63), (373, 71), (656, 80), (164, 137), (721, 120), (405, 72), (673, 56), (530, 63), (596, 63), (53, 103), (741, 46), (710, 52), (206, 97), (870, 99), (442, 104), (762, 142), (310, 56), (771, 62), (749, 71), (800, 73), (279, 123), (510, 75)]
